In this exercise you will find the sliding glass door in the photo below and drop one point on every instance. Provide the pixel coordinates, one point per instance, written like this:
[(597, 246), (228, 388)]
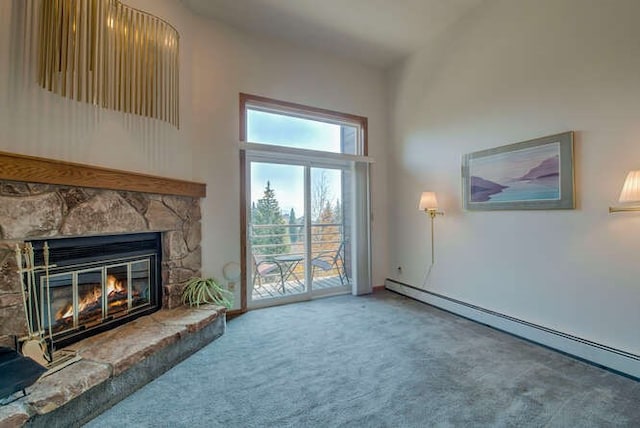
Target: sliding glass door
[(305, 210), (297, 236), (277, 240), (330, 230)]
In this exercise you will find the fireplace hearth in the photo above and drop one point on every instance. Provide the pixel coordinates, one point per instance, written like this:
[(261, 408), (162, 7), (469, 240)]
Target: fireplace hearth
[(96, 283)]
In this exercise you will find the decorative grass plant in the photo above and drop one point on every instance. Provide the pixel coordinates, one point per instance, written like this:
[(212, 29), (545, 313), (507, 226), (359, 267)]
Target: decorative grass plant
[(206, 290)]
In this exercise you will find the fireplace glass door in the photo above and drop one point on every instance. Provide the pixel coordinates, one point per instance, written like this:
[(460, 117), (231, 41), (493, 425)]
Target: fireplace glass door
[(95, 283), (85, 297)]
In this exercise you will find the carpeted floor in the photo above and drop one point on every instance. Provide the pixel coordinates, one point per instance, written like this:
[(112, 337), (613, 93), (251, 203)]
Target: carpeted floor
[(375, 361)]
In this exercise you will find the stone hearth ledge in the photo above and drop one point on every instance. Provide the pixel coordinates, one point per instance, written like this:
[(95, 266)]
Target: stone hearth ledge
[(114, 364)]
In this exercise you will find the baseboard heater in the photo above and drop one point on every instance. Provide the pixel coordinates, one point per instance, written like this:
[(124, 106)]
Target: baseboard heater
[(601, 355)]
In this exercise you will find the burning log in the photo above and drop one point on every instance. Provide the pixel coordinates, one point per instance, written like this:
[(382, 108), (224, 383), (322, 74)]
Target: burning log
[(90, 307)]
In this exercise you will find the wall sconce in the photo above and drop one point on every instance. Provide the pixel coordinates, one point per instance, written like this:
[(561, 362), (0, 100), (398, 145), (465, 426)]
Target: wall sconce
[(630, 194), (111, 55), (429, 204)]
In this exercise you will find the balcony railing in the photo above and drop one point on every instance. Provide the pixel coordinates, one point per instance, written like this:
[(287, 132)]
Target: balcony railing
[(278, 253)]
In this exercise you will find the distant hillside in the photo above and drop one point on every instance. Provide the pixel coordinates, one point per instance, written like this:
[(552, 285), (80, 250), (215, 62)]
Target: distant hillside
[(482, 189), (548, 168)]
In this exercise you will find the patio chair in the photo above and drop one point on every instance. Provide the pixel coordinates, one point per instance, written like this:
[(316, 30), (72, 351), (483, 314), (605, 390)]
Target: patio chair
[(328, 260), (264, 267)]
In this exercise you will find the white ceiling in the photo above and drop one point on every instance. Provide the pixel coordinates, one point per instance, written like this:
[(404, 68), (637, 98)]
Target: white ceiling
[(374, 32)]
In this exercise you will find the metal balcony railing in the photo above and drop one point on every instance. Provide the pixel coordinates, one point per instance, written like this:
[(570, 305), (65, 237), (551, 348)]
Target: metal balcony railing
[(278, 253)]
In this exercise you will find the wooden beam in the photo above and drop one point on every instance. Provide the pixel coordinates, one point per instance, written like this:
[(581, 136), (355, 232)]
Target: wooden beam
[(40, 170)]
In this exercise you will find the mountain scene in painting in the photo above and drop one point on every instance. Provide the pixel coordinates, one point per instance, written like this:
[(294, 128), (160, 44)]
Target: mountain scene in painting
[(481, 189), (547, 169), (522, 175)]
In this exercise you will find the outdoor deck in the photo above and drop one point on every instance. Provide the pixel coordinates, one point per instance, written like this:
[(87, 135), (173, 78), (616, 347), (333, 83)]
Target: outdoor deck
[(274, 289)]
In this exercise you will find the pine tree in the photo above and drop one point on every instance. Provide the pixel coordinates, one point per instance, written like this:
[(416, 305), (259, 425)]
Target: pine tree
[(293, 231), (267, 212)]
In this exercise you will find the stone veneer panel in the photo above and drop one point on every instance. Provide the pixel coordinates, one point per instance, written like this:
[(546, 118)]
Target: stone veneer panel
[(35, 211), (39, 215), (106, 212)]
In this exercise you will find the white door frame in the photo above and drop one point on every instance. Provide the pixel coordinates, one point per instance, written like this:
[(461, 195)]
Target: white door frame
[(307, 164)]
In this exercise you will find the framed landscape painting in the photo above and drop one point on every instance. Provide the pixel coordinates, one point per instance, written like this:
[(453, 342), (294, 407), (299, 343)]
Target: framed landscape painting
[(532, 175)]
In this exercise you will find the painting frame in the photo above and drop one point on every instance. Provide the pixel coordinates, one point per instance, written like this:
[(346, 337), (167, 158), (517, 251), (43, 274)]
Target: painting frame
[(521, 176)]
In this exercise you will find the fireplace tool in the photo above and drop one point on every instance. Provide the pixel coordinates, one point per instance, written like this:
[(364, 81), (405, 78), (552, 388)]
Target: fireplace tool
[(34, 345)]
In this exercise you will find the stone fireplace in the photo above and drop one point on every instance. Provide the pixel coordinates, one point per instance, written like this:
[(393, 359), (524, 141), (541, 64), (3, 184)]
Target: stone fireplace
[(112, 235), (38, 212)]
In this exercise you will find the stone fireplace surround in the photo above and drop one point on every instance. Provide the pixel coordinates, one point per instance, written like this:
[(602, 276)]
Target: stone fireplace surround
[(40, 211), (117, 362)]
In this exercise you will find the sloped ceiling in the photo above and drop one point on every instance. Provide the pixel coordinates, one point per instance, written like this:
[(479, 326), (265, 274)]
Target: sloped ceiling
[(375, 32)]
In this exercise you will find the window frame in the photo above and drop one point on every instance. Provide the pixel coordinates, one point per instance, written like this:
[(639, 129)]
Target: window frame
[(286, 108), (257, 102)]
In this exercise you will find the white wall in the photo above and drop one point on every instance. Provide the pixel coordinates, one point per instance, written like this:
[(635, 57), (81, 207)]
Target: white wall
[(36, 122), (217, 62), (229, 62), (512, 71)]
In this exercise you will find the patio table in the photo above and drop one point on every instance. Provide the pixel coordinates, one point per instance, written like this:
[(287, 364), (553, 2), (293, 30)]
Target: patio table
[(289, 263)]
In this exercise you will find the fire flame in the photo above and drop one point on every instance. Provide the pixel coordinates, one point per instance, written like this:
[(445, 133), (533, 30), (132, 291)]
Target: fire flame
[(113, 285), (93, 297)]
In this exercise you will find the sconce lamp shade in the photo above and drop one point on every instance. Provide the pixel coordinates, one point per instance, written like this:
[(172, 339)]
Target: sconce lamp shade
[(631, 188), (429, 204), (428, 201)]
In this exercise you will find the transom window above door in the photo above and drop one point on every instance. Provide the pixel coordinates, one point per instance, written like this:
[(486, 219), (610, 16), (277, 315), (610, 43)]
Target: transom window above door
[(301, 127)]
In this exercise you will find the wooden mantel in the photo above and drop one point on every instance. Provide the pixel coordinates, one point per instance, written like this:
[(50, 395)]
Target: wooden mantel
[(40, 170)]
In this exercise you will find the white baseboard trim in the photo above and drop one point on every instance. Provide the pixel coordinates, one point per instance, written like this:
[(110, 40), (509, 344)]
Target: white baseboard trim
[(592, 352)]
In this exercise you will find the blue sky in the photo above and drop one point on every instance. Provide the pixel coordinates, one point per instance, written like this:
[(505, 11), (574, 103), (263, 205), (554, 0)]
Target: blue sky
[(288, 180), (272, 128)]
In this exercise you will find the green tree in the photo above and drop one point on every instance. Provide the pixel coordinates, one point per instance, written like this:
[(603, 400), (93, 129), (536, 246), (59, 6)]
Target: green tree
[(293, 230), (267, 212)]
